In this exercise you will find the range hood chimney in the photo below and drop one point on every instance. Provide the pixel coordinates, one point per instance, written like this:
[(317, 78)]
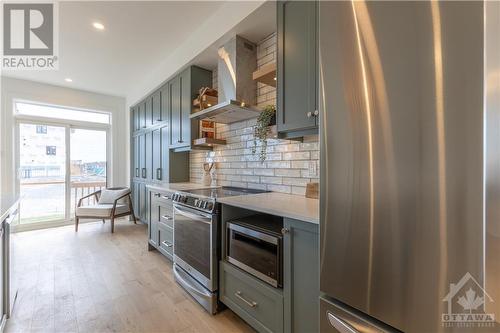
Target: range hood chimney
[(237, 59)]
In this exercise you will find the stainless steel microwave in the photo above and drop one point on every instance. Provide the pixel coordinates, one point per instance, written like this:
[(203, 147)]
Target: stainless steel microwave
[(255, 250)]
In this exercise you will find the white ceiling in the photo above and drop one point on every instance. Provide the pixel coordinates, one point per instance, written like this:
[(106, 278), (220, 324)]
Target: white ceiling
[(137, 37)]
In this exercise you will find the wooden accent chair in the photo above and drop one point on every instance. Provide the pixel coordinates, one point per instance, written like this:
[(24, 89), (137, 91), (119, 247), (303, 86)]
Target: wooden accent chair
[(110, 203)]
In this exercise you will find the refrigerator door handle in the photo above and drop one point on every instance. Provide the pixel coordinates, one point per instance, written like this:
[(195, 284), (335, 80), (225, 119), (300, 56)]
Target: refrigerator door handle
[(339, 324)]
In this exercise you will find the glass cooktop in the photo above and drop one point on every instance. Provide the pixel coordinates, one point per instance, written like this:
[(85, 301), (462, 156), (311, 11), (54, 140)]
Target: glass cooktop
[(224, 191)]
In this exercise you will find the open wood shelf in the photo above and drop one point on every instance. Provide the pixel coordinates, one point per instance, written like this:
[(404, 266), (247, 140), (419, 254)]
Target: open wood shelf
[(208, 142), (266, 74)]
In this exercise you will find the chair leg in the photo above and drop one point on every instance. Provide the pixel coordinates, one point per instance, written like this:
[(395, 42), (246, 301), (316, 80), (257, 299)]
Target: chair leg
[(135, 220), (103, 221), (112, 224), (76, 224)]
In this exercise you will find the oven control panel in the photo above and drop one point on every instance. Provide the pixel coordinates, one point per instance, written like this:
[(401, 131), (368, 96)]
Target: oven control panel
[(204, 204)]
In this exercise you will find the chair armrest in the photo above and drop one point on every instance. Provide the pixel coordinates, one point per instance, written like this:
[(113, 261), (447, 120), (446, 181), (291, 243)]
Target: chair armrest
[(116, 201), (88, 196)]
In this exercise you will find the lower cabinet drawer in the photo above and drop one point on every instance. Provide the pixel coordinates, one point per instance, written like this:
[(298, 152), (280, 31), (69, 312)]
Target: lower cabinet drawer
[(166, 215), (257, 303), (164, 197), (166, 240)]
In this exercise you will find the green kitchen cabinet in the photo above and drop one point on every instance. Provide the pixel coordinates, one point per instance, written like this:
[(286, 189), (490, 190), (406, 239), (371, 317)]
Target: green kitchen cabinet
[(148, 104), (136, 166), (161, 135), (183, 89), (135, 191), (160, 153), (141, 153), (300, 276), (157, 116), (297, 69), (148, 139)]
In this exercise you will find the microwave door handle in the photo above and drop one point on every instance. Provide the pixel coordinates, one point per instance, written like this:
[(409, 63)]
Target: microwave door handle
[(194, 216)]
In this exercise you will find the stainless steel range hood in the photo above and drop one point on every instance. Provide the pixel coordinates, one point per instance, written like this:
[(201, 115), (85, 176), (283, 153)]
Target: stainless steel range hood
[(237, 90)]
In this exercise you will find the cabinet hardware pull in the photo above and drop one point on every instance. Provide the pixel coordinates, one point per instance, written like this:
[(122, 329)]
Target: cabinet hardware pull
[(158, 119), (158, 174), (166, 217), (166, 244), (251, 304), (137, 172), (316, 113), (339, 324), (180, 141), (285, 230), (166, 197), (143, 172), (309, 114), (157, 195)]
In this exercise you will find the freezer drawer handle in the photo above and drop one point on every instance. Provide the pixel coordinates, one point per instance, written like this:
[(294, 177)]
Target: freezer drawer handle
[(339, 324), (251, 304)]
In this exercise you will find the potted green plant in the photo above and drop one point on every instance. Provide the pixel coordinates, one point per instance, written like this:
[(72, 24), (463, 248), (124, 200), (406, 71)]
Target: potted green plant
[(262, 129)]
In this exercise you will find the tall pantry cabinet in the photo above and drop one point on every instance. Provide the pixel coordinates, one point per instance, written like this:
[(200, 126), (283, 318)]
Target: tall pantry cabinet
[(161, 133)]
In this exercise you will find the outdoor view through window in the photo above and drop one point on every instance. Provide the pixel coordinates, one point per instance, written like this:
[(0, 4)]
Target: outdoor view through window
[(50, 152)]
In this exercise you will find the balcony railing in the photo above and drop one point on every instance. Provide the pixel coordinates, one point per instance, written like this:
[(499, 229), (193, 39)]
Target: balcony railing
[(80, 189)]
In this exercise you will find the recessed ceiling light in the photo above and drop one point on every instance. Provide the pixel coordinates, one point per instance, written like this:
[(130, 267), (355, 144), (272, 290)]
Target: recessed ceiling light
[(68, 79), (98, 26)]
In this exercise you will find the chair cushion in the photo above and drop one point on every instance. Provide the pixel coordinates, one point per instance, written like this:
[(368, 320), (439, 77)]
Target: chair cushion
[(109, 196), (101, 210)]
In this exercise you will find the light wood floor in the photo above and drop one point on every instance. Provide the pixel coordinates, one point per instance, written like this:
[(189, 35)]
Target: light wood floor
[(95, 281)]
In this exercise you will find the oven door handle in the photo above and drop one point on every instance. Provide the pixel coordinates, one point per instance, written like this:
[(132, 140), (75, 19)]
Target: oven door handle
[(192, 215)]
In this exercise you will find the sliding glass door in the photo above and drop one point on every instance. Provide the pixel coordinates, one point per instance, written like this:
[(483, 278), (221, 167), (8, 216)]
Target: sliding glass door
[(42, 172), (58, 164), (88, 163)]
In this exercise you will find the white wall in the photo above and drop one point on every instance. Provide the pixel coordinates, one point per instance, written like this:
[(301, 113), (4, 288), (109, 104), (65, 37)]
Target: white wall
[(12, 89)]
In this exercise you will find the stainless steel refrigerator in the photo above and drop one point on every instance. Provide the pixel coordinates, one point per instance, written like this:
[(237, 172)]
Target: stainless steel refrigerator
[(410, 166)]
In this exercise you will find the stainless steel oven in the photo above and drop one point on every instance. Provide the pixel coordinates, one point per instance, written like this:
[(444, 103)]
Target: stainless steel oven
[(256, 250), (196, 253)]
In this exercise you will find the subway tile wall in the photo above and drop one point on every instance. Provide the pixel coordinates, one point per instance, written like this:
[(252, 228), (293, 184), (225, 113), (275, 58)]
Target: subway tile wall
[(289, 166)]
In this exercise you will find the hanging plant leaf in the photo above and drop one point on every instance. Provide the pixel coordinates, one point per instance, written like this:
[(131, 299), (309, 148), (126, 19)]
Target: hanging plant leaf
[(262, 130)]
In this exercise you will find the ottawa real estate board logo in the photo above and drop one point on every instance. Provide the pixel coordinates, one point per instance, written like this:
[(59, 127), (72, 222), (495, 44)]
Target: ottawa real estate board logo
[(466, 304), (30, 36)]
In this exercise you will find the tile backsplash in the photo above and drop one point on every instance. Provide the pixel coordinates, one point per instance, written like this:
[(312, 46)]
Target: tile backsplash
[(289, 166)]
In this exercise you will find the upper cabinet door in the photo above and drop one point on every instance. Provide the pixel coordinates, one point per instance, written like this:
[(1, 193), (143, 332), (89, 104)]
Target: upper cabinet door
[(157, 115), (175, 111), (157, 154), (133, 125), (149, 110), (186, 103), (164, 104), (141, 116), (136, 161), (297, 67)]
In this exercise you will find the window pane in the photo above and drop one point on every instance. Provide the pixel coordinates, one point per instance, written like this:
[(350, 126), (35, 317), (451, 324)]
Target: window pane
[(61, 113), (42, 172), (88, 163)]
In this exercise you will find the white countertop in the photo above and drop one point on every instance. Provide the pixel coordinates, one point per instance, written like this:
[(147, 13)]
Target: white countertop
[(178, 186), (280, 204)]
